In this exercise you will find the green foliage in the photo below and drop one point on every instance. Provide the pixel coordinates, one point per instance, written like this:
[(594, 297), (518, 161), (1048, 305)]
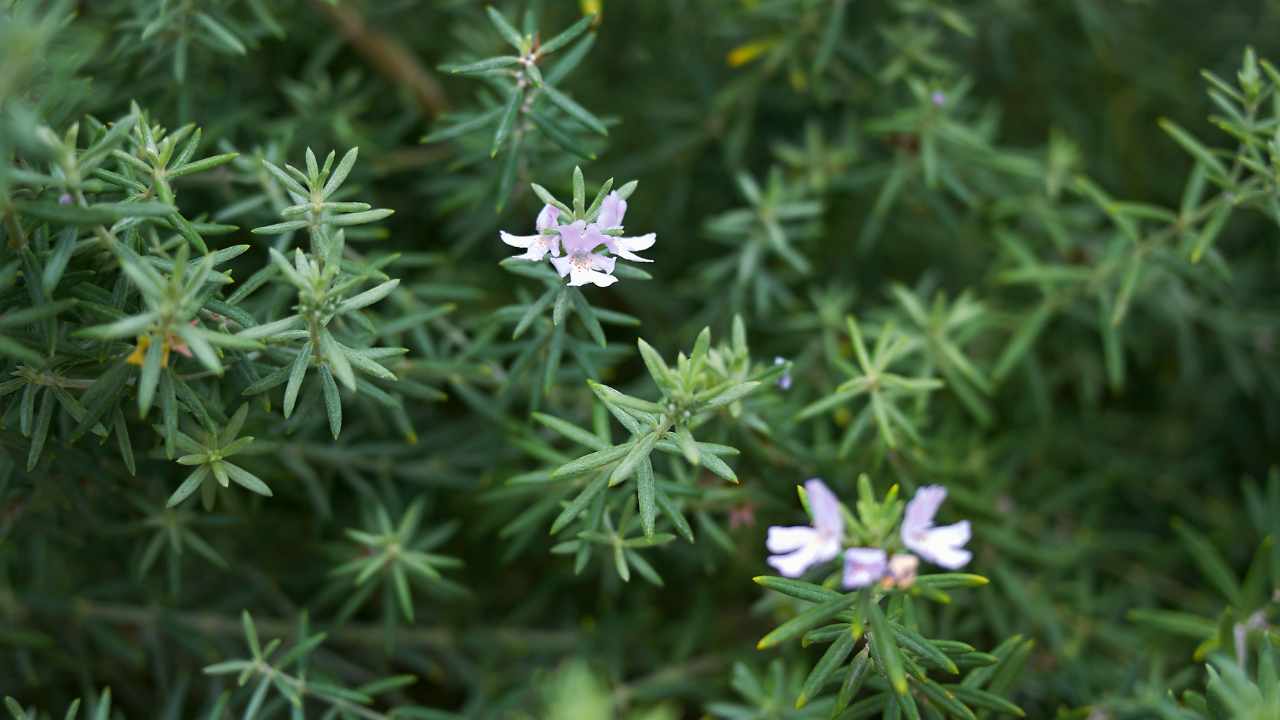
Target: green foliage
[(1022, 250)]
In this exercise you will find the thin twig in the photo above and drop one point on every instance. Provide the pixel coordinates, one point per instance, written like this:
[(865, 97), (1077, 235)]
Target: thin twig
[(388, 56)]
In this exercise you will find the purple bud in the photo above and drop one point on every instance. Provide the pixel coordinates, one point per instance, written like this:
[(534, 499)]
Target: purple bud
[(64, 199), (939, 98), (784, 382)]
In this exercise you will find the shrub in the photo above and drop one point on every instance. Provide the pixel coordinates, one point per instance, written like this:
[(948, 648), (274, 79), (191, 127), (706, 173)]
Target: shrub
[(431, 360)]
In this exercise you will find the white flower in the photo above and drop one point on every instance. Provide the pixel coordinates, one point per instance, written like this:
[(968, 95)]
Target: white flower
[(799, 547), (939, 545), (537, 246)]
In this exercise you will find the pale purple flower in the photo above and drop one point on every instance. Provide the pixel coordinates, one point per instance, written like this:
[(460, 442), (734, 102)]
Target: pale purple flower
[(583, 260), (798, 547), (939, 98), (612, 209), (64, 199), (537, 246), (863, 566), (939, 545)]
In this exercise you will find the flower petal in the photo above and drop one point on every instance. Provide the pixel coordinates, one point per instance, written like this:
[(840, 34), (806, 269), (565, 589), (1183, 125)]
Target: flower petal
[(582, 276), (611, 211), (639, 242), (600, 279), (547, 218), (944, 545), (922, 508), (783, 539), (863, 566), (625, 247), (825, 508), (534, 253), (951, 558), (602, 262), (574, 236), (956, 534), (794, 564), (562, 265), (520, 241)]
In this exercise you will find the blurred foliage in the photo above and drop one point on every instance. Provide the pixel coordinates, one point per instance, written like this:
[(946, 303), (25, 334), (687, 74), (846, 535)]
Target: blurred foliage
[(1025, 249)]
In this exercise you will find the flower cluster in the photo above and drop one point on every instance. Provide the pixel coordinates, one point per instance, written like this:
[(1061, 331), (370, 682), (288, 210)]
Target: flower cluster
[(798, 548), (582, 240)]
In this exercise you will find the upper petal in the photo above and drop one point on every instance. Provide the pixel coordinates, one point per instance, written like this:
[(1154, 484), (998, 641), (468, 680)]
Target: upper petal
[(548, 217), (611, 211), (922, 508), (825, 508)]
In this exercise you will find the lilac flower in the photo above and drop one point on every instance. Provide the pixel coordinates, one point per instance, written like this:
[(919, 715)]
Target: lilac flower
[(799, 547), (939, 98), (610, 218), (581, 263), (584, 260), (537, 246), (939, 545), (863, 566)]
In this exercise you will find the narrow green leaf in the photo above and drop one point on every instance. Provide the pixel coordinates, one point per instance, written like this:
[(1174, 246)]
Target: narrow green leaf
[(646, 491), (297, 372), (574, 110), (567, 36), (886, 650), (808, 620), (332, 401), (505, 29)]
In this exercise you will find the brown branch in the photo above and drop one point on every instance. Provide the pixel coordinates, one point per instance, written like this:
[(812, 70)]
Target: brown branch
[(388, 56)]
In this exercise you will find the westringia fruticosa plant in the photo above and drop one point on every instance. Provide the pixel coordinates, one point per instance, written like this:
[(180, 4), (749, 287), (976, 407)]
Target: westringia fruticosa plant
[(923, 362)]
